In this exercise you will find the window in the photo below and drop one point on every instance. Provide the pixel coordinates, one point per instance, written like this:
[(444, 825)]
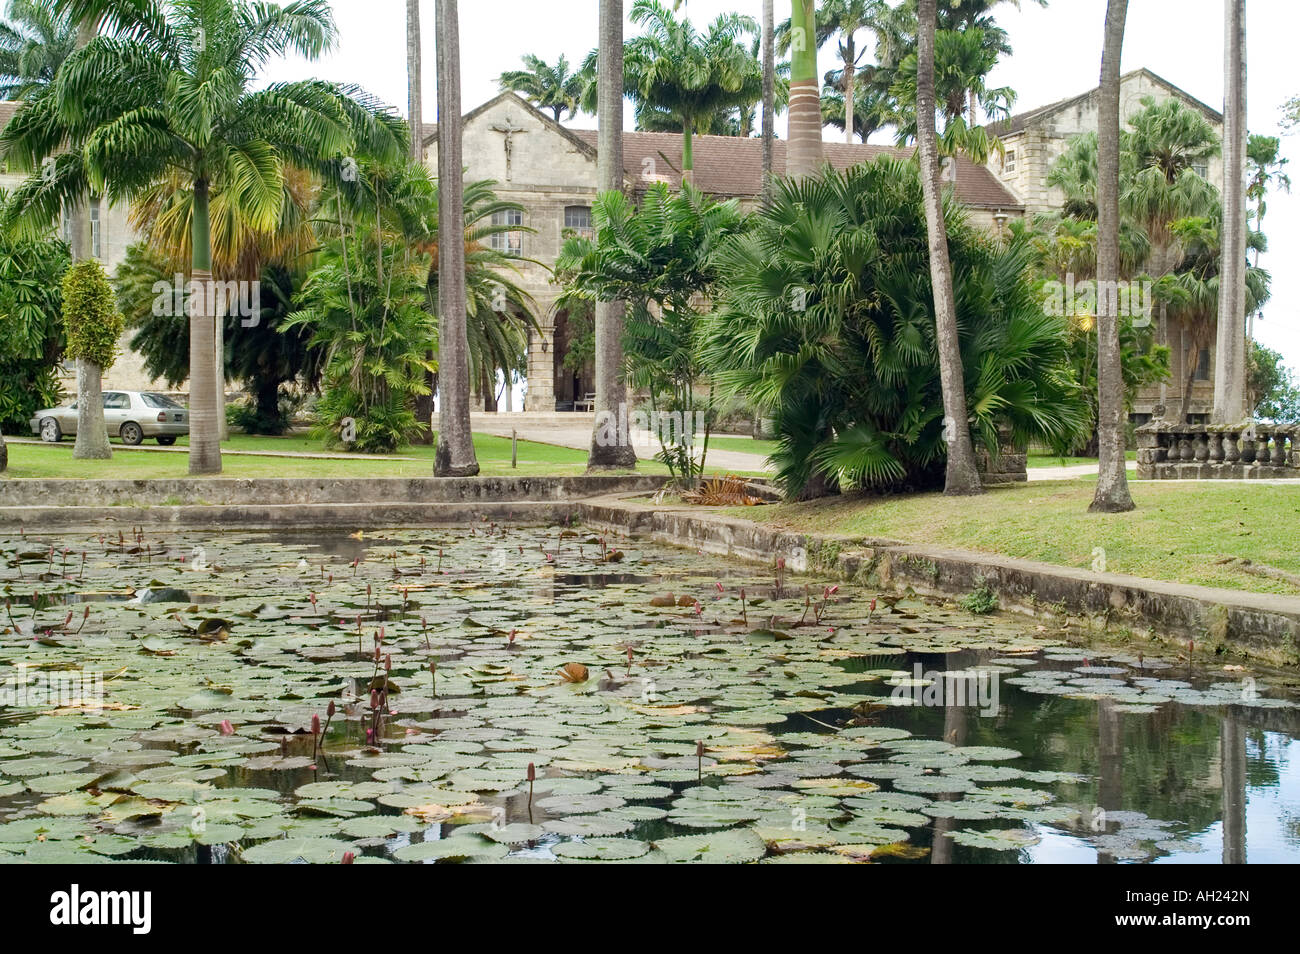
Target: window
[(1201, 169), (157, 401), (578, 219), (117, 401), (94, 229), (1203, 365), (510, 242), (1009, 161)]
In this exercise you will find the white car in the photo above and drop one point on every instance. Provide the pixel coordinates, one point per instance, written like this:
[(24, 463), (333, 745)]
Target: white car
[(130, 415)]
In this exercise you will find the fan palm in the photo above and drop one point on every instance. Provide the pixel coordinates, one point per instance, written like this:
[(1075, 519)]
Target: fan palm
[(171, 91), (825, 321)]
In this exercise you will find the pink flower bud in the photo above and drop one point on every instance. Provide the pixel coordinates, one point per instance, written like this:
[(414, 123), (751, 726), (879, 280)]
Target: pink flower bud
[(348, 857), (315, 724), (532, 772), (227, 728)]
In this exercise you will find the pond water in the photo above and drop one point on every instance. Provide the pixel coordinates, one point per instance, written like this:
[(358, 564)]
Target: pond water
[(158, 695)]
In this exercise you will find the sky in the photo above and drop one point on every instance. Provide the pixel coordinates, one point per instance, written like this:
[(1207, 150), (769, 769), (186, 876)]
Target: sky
[(1056, 54)]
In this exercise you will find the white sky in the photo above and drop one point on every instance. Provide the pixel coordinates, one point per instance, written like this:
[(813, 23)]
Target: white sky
[(1057, 54)]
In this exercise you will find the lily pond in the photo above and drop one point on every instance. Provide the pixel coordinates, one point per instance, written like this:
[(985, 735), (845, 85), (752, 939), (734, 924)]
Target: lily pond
[(490, 694)]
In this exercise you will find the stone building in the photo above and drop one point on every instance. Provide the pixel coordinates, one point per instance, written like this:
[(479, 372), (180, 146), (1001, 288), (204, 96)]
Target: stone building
[(550, 170), (1035, 139)]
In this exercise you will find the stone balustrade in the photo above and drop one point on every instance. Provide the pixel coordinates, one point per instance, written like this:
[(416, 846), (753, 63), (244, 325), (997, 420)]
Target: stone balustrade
[(1217, 451)]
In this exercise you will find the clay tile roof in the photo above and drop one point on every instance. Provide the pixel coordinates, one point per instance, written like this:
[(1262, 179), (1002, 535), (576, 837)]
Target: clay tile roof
[(732, 166)]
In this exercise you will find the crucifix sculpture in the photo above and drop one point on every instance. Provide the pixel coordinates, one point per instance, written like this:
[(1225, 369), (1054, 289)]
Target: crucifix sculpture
[(508, 130)]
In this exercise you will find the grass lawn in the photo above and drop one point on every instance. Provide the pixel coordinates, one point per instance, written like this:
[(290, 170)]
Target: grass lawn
[(535, 459), (29, 460), (1178, 533), (745, 445), (1048, 460)]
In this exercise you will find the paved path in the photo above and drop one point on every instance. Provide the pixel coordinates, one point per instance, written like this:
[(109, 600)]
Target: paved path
[(226, 451), (578, 435)]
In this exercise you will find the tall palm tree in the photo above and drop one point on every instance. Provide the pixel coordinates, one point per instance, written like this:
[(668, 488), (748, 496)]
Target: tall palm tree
[(961, 477), (454, 456), (415, 119), (557, 88), (1112, 495), (1230, 359), (170, 90), (1265, 166), (769, 94), (684, 79), (34, 41), (804, 148), (844, 19), (611, 383)]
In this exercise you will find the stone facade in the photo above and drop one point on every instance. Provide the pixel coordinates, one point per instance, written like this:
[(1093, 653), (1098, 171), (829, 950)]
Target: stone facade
[(1034, 140)]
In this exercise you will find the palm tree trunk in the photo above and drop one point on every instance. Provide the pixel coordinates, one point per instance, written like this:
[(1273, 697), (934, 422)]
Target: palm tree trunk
[(804, 149), (4, 454), (454, 456), (92, 435), (850, 94), (205, 433), (1230, 360), (962, 476), (769, 95), (610, 445), (1112, 495), (415, 118), (688, 154)]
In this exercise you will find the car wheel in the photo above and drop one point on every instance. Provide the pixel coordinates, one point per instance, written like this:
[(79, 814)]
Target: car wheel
[(131, 433), (50, 430), (167, 441)]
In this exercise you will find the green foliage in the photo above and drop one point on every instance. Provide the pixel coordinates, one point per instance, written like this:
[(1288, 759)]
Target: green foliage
[(826, 322), (662, 260), (34, 41), (263, 355), (684, 80), (31, 326), (90, 313), (556, 88), (980, 600), (1273, 390)]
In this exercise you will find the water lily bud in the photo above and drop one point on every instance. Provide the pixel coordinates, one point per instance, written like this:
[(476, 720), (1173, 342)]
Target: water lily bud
[(227, 728), (388, 662), (348, 857), (330, 710), (699, 749), (374, 698), (315, 724), (532, 772)]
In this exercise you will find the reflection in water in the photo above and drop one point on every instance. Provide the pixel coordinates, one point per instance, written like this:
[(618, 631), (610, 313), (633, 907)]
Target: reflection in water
[(1232, 763)]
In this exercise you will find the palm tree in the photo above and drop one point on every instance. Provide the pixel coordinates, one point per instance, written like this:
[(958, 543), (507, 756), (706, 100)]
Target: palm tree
[(611, 385), (804, 149), (1230, 359), (683, 79), (33, 44), (454, 456), (1265, 164), (1112, 495), (171, 92), (769, 94), (556, 88), (962, 476)]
